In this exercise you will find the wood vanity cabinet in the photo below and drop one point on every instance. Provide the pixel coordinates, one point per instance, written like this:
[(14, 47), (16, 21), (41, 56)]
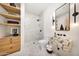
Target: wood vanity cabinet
[(9, 45)]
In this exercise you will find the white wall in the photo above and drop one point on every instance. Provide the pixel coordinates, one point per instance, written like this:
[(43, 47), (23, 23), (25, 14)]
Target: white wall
[(31, 33), (49, 29), (47, 18), (31, 27)]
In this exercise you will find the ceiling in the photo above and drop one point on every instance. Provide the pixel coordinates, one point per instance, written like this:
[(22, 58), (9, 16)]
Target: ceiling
[(38, 8)]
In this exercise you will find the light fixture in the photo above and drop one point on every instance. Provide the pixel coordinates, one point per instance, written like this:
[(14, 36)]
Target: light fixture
[(75, 13), (74, 25), (53, 20), (52, 27)]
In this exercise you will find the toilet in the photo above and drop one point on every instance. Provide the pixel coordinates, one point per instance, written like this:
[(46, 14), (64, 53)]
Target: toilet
[(43, 44)]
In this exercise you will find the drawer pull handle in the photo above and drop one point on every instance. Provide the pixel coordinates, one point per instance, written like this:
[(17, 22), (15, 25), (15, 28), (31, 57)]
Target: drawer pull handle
[(11, 42), (10, 47)]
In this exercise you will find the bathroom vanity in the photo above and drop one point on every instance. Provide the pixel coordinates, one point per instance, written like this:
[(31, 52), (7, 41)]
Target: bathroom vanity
[(10, 42), (9, 45)]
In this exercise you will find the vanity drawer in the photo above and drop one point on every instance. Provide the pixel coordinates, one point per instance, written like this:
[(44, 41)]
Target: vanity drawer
[(4, 50), (3, 53), (14, 48), (4, 47), (9, 45), (7, 49), (15, 40), (4, 41)]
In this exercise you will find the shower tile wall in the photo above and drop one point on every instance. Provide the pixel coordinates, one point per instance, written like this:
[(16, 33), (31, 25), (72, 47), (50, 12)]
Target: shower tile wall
[(41, 24), (31, 35)]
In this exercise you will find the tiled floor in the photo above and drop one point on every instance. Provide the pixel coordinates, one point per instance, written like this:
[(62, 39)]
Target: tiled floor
[(33, 49)]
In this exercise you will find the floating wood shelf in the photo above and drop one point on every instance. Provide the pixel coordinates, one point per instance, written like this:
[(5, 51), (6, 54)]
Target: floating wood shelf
[(6, 24), (10, 16), (10, 8)]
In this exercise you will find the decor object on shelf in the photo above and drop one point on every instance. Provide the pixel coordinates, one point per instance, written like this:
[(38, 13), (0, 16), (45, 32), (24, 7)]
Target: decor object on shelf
[(10, 8), (12, 25), (61, 27), (10, 16), (60, 45), (12, 22), (12, 4)]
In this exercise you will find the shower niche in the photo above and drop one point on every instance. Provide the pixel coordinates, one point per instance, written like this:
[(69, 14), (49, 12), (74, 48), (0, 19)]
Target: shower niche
[(62, 18)]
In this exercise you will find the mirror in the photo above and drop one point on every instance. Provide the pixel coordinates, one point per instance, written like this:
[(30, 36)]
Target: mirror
[(62, 18)]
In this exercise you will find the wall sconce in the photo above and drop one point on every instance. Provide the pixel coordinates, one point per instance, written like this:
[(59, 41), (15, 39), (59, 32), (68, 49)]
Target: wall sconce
[(75, 13), (73, 25), (53, 27), (53, 20)]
